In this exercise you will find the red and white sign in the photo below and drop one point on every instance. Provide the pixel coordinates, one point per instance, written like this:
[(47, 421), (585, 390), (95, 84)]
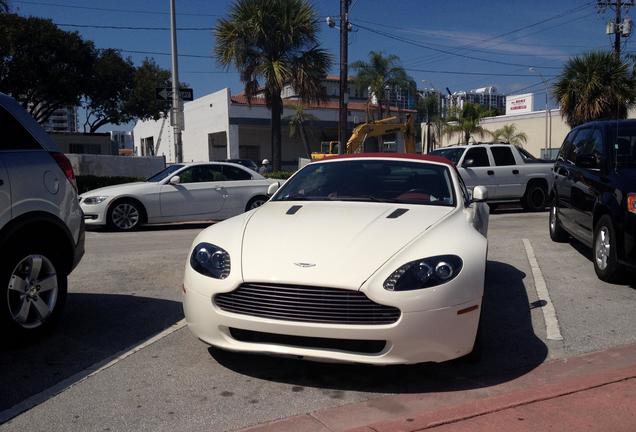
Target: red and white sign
[(519, 104)]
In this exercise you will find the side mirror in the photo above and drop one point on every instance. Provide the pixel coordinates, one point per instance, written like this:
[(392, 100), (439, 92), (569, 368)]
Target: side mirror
[(175, 180), (271, 190), (587, 161), (480, 194), (468, 163)]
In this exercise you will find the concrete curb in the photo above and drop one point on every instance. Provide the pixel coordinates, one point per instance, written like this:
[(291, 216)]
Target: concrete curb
[(414, 412)]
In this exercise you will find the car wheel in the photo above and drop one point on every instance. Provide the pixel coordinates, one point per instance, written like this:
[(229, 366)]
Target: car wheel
[(255, 203), (32, 292), (557, 233), (605, 258), (535, 198), (124, 215)]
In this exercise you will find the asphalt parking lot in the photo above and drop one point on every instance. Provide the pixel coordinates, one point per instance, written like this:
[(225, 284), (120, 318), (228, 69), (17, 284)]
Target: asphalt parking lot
[(126, 291)]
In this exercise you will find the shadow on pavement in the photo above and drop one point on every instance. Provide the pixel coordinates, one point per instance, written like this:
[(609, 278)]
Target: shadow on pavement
[(162, 227), (93, 328), (510, 349)]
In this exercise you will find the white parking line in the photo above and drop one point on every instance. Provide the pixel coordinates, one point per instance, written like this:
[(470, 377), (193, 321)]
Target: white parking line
[(549, 313), (82, 376)]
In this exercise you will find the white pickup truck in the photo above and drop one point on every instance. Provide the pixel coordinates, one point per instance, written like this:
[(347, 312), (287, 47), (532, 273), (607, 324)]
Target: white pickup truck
[(509, 172)]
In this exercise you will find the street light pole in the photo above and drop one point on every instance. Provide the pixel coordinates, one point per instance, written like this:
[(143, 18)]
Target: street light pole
[(177, 109), (548, 117)]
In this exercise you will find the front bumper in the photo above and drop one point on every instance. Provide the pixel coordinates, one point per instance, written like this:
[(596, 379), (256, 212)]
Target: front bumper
[(427, 336), (95, 214)]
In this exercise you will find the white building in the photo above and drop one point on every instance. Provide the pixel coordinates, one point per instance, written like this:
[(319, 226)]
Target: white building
[(62, 120), (488, 97), (220, 126)]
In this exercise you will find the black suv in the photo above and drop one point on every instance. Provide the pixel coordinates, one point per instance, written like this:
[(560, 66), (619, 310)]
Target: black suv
[(594, 193)]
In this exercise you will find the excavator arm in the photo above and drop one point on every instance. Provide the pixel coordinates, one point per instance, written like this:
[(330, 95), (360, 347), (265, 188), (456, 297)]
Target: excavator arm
[(380, 128)]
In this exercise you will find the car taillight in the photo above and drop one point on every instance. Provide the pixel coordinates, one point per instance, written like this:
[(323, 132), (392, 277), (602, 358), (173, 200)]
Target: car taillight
[(631, 202), (66, 167)]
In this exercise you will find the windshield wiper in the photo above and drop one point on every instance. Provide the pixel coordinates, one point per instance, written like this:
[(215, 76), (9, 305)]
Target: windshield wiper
[(365, 198)]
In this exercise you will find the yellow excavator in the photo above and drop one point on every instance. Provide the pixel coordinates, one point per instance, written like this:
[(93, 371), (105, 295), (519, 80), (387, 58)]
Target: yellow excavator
[(377, 128)]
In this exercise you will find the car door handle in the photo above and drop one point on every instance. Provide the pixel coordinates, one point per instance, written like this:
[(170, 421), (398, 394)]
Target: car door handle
[(515, 171), (491, 172)]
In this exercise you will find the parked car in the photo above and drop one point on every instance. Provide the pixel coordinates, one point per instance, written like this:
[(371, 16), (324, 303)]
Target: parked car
[(376, 258), (246, 163), (594, 194), (179, 193), (509, 172), (41, 225)]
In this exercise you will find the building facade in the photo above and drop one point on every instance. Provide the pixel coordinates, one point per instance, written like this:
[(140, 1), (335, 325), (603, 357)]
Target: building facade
[(62, 120), (487, 97)]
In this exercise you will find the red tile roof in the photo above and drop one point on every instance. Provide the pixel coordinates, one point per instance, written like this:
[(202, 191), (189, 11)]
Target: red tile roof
[(240, 99)]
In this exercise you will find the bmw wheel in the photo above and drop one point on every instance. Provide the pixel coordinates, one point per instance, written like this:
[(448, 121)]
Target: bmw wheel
[(255, 203), (124, 215)]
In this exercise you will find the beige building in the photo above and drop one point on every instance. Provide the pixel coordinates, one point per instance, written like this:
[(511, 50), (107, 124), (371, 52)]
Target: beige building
[(533, 124)]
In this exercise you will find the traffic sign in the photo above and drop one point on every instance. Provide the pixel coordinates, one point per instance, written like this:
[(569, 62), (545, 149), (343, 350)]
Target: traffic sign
[(165, 93)]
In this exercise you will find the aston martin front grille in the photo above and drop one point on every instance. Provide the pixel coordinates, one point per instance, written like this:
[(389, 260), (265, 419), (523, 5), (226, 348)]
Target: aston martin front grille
[(306, 304)]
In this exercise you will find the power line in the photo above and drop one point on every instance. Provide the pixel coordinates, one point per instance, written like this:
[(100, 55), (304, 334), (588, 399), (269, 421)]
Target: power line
[(468, 73), (420, 45), (163, 53), (109, 9), (109, 27)]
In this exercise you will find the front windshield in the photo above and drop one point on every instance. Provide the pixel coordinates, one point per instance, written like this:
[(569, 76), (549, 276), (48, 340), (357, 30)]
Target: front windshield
[(164, 173), (452, 154), (391, 181), (623, 140)]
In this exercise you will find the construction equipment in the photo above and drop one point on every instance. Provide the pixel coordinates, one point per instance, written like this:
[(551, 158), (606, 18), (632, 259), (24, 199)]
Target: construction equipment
[(377, 128)]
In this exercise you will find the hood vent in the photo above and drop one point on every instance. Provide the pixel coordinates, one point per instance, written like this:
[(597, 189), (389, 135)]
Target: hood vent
[(293, 209), (397, 213)]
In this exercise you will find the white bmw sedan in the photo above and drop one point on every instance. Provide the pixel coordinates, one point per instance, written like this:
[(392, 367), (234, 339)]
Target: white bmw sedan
[(179, 193), (376, 258)]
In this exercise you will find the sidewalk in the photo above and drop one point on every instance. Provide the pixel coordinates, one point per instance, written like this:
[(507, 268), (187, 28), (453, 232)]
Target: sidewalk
[(592, 392)]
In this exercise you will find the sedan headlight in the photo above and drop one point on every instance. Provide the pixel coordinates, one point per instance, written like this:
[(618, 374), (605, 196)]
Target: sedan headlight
[(94, 200), (210, 260), (424, 273)]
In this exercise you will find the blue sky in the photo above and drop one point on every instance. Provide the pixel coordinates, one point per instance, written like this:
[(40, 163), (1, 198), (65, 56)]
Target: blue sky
[(465, 27)]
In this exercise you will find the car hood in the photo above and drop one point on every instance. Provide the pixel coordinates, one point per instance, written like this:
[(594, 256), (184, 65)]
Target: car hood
[(338, 244), (119, 189)]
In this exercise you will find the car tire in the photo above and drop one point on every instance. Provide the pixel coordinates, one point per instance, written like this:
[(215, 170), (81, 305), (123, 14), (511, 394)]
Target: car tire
[(604, 254), (33, 285), (557, 233), (124, 215), (255, 202), (536, 197)]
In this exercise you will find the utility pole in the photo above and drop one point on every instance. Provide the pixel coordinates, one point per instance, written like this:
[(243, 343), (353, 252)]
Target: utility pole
[(619, 27), (344, 80), (176, 118)]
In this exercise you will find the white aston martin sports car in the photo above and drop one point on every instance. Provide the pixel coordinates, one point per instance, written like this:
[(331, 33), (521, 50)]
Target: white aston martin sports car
[(179, 193), (369, 258)]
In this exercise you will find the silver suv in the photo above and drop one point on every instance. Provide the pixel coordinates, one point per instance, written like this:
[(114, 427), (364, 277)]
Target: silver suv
[(41, 225)]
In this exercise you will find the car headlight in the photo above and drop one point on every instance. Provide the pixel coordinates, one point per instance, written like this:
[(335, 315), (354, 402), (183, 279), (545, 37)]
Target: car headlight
[(94, 200), (424, 273), (210, 260)]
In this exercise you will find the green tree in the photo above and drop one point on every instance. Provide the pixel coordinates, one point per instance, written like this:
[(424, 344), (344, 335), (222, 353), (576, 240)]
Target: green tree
[(509, 134), (593, 86), (428, 108), (380, 75), (43, 67), (109, 91), (273, 43), (297, 126), (142, 103), (464, 122)]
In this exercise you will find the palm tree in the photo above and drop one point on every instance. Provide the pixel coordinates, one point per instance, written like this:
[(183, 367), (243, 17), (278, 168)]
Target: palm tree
[(508, 134), (593, 86), (465, 122), (273, 43), (380, 75), (297, 126)]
